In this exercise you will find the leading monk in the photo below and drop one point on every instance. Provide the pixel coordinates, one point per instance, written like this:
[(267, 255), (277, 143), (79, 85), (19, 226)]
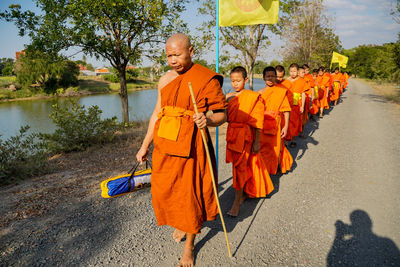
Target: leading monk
[(181, 185)]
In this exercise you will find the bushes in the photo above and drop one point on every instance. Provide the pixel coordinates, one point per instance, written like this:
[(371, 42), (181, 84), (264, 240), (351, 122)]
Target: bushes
[(24, 155), (21, 156), (78, 128)]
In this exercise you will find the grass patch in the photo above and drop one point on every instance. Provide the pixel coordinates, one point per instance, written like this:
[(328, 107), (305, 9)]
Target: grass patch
[(390, 91)]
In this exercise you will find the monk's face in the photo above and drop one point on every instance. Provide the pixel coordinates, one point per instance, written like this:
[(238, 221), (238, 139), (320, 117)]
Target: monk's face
[(294, 72), (238, 81), (321, 72), (179, 56), (306, 71), (280, 76), (302, 73), (336, 71), (270, 78), (315, 75)]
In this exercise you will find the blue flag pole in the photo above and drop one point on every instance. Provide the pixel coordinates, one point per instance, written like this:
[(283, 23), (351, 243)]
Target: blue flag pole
[(217, 71)]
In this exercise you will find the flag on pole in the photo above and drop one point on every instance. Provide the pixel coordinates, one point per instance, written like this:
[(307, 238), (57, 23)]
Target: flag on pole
[(248, 12), (341, 59)]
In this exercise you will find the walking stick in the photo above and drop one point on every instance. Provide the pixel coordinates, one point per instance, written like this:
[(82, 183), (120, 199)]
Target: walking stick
[(203, 136)]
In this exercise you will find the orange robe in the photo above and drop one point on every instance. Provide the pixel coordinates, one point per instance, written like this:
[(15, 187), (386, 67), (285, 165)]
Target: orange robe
[(347, 80), (310, 85), (323, 82), (273, 150), (295, 123), (336, 86), (181, 186), (342, 83), (245, 114), (316, 103)]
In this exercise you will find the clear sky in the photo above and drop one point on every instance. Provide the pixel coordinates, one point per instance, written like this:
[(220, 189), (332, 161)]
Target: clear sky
[(356, 22)]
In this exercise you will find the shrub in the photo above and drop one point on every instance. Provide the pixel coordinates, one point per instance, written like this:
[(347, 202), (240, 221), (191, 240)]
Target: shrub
[(21, 156), (78, 128)]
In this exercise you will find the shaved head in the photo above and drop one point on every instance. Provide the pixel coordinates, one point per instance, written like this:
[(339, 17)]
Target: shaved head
[(179, 52), (179, 38)]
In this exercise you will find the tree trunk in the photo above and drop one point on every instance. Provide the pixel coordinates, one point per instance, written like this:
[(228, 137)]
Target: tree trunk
[(251, 77), (124, 95)]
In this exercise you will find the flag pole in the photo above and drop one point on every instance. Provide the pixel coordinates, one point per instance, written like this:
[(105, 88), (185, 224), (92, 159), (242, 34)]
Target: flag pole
[(217, 71)]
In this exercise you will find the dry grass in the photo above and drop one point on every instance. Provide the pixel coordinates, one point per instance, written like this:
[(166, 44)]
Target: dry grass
[(390, 91)]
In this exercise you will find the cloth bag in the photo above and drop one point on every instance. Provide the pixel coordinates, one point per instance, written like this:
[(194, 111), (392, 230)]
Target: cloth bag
[(126, 183)]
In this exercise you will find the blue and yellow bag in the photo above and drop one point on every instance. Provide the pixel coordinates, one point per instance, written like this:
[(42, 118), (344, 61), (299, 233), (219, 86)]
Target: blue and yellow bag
[(124, 184)]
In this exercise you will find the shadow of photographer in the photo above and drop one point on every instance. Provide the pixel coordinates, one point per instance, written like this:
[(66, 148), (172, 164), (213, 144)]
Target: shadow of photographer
[(357, 245)]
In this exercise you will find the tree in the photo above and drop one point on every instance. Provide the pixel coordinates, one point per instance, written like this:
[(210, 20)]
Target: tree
[(118, 31), (395, 11), (6, 66), (308, 35), (48, 72), (250, 40)]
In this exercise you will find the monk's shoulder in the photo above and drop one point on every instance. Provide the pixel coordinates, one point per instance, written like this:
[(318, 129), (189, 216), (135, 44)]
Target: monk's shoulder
[(166, 79)]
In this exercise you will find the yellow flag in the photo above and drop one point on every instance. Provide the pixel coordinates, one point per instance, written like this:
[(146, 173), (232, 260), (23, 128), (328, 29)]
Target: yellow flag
[(341, 59), (248, 12)]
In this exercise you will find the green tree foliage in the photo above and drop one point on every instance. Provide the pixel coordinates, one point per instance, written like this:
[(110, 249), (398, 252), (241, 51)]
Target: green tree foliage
[(381, 62), (308, 35), (45, 70), (21, 156), (78, 128), (6, 66), (131, 75), (248, 41), (119, 31)]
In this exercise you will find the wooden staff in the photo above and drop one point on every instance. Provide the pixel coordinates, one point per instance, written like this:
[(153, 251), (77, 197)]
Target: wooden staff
[(203, 136)]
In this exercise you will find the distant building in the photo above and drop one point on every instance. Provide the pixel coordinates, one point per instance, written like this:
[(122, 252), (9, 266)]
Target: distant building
[(130, 67), (19, 53), (81, 67), (88, 73), (102, 71)]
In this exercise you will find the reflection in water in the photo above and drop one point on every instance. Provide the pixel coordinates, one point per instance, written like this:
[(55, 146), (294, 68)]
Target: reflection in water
[(357, 245), (35, 113)]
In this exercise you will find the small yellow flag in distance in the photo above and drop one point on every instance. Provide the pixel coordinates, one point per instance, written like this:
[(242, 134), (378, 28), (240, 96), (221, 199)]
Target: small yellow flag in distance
[(248, 12), (339, 58)]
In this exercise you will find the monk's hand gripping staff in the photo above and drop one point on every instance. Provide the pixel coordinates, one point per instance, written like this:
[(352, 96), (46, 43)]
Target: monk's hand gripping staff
[(203, 136)]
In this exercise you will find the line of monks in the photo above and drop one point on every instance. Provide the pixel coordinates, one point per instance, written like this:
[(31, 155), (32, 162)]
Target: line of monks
[(261, 124)]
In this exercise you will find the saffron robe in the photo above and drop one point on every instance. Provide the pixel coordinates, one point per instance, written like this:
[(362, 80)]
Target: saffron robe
[(295, 123), (336, 87), (310, 86), (323, 82), (245, 114), (181, 185), (272, 148)]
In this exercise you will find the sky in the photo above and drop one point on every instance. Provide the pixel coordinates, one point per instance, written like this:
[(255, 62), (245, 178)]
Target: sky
[(356, 22)]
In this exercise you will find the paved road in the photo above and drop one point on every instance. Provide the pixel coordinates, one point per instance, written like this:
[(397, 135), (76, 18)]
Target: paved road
[(338, 207)]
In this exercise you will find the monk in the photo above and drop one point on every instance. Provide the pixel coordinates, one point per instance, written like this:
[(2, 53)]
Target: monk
[(273, 149), (336, 78), (280, 78), (323, 81), (245, 121), (297, 105), (318, 94), (304, 72), (342, 83), (181, 186)]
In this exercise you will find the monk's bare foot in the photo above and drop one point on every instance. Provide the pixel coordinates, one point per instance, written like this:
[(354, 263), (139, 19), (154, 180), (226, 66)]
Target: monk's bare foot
[(178, 235), (234, 212), (187, 259), (244, 197)]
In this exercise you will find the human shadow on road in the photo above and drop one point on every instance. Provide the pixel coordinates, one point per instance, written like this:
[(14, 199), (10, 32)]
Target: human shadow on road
[(226, 200), (357, 245)]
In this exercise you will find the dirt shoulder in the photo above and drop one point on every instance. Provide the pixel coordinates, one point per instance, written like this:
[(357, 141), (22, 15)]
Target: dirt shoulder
[(390, 91), (73, 175)]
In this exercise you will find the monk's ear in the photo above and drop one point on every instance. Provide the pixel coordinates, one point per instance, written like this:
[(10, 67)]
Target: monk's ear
[(246, 80), (191, 51)]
